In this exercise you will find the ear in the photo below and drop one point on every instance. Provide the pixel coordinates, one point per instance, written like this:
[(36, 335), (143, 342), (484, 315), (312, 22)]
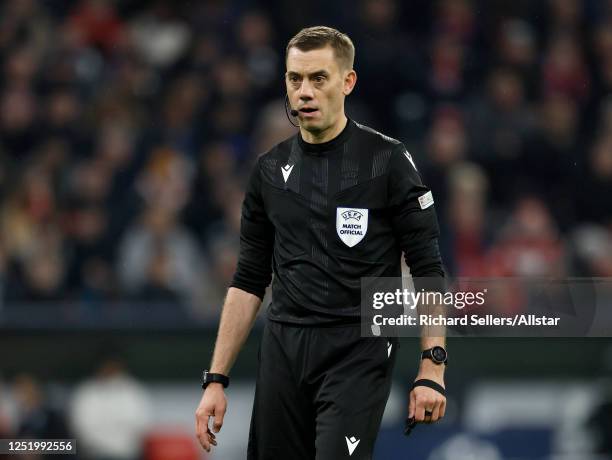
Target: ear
[(350, 79)]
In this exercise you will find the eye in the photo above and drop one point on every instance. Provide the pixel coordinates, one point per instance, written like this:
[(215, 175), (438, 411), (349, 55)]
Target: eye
[(294, 78), (319, 79)]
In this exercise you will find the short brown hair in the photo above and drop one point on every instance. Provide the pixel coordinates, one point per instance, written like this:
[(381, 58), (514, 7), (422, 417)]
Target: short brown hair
[(313, 38)]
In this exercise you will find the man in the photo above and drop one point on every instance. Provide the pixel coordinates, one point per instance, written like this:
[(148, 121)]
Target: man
[(321, 387)]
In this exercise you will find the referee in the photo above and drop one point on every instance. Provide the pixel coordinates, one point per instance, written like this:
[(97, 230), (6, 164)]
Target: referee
[(334, 203)]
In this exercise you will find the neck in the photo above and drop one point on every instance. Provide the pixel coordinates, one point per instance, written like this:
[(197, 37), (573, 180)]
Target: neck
[(327, 134)]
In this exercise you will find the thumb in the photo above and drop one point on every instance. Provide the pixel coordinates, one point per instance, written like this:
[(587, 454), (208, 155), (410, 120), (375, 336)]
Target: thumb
[(412, 404)]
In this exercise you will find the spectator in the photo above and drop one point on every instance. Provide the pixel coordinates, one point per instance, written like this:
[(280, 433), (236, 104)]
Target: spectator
[(447, 145), (467, 210), (159, 35), (594, 197), (37, 419), (159, 246), (549, 161), (110, 413), (96, 23), (517, 50), (529, 244), (602, 48), (501, 120), (6, 425), (564, 71), (592, 245), (500, 124), (255, 36)]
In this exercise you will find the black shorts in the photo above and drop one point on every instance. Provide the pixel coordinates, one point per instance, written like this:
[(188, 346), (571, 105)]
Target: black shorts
[(321, 393)]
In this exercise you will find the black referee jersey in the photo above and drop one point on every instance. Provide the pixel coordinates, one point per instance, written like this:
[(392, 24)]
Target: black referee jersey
[(322, 216)]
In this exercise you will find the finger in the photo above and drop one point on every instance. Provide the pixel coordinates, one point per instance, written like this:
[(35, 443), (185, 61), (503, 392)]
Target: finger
[(435, 412), (197, 429), (419, 414), (201, 431), (212, 439), (218, 423), (443, 408), (411, 405), (204, 441)]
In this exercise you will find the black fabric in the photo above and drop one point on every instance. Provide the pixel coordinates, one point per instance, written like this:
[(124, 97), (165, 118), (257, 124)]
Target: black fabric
[(329, 145), (316, 387), (253, 273), (289, 224)]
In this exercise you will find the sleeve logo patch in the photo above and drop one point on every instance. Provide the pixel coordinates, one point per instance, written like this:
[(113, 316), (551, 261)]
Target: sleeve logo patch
[(426, 200)]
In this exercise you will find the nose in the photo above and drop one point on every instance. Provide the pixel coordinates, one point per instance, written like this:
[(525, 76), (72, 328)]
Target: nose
[(305, 92)]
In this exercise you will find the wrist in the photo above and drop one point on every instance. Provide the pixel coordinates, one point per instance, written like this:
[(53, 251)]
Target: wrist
[(437, 354), (221, 371), (428, 367), (215, 386)]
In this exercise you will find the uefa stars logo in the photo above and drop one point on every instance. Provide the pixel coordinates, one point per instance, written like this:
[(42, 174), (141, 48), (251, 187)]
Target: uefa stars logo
[(352, 214)]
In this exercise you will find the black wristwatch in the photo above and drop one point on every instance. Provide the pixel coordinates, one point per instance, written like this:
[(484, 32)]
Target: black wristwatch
[(437, 354), (208, 377)]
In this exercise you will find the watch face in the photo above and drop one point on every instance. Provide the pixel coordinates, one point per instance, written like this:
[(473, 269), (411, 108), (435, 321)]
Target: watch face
[(439, 354)]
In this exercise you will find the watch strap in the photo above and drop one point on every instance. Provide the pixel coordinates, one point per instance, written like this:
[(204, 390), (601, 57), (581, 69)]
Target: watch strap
[(209, 377)]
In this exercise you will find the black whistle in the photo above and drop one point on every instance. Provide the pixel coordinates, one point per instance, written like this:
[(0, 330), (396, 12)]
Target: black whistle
[(409, 425)]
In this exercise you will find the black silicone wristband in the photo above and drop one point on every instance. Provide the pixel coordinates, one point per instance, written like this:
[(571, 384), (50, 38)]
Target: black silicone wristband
[(430, 384)]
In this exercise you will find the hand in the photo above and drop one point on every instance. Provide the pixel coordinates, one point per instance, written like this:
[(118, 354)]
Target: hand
[(213, 404), (427, 399)]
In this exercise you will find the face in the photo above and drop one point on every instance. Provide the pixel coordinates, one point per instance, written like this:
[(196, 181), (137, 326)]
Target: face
[(317, 86)]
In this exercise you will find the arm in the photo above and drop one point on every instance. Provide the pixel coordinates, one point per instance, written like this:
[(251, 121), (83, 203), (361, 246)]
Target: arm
[(238, 315), (237, 318), (416, 228), (422, 398), (241, 305)]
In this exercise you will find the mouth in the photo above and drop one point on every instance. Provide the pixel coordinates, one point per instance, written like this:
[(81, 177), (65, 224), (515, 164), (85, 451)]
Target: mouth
[(308, 111)]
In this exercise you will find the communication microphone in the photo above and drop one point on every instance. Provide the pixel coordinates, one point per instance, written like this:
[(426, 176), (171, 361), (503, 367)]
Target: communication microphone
[(289, 110)]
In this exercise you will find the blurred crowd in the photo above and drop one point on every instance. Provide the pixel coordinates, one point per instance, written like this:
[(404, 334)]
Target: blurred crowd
[(109, 414), (127, 130)]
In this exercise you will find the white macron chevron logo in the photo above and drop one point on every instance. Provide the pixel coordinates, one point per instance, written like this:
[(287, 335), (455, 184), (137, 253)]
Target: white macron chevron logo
[(351, 444), (286, 170)]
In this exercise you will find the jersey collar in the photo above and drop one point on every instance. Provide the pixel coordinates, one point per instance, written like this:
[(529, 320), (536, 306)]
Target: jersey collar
[(331, 144)]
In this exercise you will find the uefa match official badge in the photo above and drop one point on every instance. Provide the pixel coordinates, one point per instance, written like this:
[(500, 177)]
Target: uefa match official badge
[(351, 225)]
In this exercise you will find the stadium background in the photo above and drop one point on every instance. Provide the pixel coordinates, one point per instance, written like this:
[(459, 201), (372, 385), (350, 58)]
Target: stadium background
[(127, 129)]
